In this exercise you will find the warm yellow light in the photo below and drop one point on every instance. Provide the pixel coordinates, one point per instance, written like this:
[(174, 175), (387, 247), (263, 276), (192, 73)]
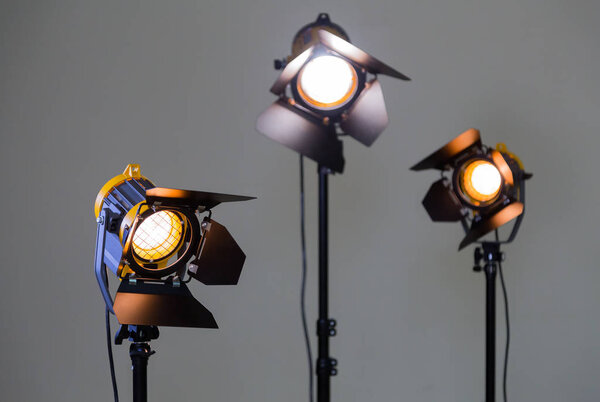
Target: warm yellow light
[(158, 236), (481, 181), (327, 82)]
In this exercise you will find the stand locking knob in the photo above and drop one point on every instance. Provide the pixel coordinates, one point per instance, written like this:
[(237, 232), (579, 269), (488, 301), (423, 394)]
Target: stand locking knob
[(477, 256), (327, 366), (332, 366), (279, 64)]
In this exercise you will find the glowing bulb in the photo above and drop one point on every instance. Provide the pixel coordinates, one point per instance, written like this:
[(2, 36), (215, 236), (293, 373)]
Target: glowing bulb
[(327, 82), (481, 181), (486, 179), (158, 236)]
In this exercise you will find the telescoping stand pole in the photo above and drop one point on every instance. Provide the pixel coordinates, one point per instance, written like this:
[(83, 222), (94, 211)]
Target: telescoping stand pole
[(491, 255), (326, 366), (139, 351)]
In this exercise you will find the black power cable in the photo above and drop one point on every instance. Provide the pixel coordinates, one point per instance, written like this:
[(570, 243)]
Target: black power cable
[(303, 285), (507, 329), (507, 326), (110, 356)]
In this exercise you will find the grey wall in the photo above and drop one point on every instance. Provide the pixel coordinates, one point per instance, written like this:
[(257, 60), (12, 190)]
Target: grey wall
[(87, 87)]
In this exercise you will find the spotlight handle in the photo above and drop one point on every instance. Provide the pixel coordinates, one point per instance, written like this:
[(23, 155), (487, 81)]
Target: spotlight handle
[(99, 267)]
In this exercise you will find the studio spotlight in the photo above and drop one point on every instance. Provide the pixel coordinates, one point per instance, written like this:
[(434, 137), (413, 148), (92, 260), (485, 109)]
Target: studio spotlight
[(484, 190), (155, 240), (327, 87)]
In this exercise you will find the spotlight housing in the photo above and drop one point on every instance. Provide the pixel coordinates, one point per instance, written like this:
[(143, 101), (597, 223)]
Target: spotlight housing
[(150, 238), (486, 186), (327, 87)]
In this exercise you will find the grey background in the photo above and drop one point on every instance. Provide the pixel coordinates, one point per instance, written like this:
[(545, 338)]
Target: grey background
[(87, 87)]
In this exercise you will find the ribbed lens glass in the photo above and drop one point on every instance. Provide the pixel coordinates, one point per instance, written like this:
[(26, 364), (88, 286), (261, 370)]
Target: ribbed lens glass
[(158, 236)]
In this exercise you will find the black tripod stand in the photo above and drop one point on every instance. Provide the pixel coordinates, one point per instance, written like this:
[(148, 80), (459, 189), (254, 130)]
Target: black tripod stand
[(491, 255), (140, 352)]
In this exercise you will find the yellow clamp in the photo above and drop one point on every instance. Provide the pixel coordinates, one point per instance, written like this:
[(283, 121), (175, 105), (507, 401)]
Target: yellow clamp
[(501, 147)]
